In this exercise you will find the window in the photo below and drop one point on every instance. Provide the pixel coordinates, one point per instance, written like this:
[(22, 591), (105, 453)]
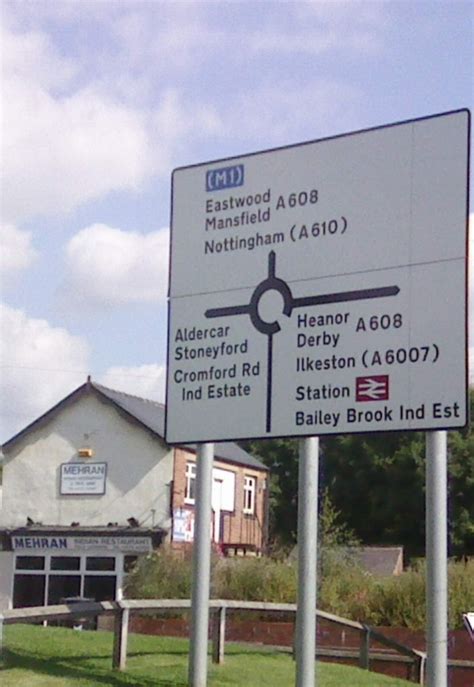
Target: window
[(100, 587), (48, 579), (249, 494), (30, 562), (28, 590), (100, 563), (65, 563), (62, 587), (190, 488)]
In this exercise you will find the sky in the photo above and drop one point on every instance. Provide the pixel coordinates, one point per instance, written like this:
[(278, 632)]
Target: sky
[(101, 100)]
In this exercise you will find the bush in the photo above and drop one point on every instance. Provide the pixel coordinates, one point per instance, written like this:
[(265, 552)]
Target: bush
[(166, 574), (461, 591), (163, 574), (344, 588), (255, 579), (396, 601)]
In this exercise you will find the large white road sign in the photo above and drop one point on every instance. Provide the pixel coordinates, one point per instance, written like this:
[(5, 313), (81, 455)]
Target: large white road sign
[(321, 288)]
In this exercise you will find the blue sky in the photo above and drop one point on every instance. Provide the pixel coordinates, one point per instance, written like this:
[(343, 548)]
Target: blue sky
[(101, 100)]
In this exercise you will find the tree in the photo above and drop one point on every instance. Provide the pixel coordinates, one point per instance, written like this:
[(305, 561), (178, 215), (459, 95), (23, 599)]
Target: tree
[(377, 483), (461, 489)]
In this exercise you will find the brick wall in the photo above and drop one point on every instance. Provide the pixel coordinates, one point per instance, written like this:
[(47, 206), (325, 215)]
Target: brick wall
[(237, 527)]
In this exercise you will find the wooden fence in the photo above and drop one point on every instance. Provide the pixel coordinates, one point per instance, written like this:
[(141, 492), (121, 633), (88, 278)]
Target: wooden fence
[(121, 610)]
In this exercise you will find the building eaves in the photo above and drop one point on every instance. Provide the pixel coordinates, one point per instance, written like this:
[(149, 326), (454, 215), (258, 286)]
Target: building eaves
[(149, 414)]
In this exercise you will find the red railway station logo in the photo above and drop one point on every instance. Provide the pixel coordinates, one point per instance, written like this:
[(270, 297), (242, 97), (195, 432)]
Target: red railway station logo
[(374, 388)]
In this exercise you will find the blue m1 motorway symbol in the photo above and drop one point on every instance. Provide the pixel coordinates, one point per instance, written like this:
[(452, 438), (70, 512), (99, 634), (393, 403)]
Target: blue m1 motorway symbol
[(225, 177)]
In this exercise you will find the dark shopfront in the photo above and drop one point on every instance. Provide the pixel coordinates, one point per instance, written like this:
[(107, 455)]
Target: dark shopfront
[(50, 566)]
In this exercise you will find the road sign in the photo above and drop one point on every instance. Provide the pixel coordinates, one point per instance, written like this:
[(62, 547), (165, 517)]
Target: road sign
[(469, 623), (321, 288)]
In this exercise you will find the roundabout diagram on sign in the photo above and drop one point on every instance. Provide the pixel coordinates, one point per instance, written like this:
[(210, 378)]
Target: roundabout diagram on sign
[(273, 284)]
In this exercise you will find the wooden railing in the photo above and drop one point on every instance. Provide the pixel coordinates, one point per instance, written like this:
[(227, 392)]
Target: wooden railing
[(121, 610)]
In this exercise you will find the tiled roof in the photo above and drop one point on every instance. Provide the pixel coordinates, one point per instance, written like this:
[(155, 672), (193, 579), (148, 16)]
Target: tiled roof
[(379, 560)]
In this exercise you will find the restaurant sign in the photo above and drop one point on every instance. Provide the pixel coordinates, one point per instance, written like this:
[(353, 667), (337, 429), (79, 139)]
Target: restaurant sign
[(83, 478)]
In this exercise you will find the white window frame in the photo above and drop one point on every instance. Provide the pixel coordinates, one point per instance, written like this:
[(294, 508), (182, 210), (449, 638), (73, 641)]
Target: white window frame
[(250, 489), (82, 572), (190, 479)]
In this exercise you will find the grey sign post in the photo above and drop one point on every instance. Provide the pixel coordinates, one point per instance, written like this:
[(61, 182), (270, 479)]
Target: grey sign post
[(320, 289), (436, 559), (201, 568), (307, 561)]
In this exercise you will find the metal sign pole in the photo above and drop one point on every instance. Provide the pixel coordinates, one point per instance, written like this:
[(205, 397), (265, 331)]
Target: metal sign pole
[(436, 559), (307, 561), (201, 568)]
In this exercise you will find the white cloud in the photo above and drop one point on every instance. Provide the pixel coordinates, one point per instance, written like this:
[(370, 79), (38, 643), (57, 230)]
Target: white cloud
[(60, 150), (345, 13), (107, 266), (173, 123), (39, 365), (16, 251), (174, 36), (290, 111), (322, 26), (146, 381), (77, 129), (30, 57), (181, 36)]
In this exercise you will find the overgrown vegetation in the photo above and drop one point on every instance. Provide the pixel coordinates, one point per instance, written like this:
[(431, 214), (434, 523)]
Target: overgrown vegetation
[(381, 477), (344, 588), (395, 601), (255, 579), (166, 574), (161, 575)]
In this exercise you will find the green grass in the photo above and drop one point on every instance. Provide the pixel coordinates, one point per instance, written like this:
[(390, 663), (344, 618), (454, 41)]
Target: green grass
[(59, 657)]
